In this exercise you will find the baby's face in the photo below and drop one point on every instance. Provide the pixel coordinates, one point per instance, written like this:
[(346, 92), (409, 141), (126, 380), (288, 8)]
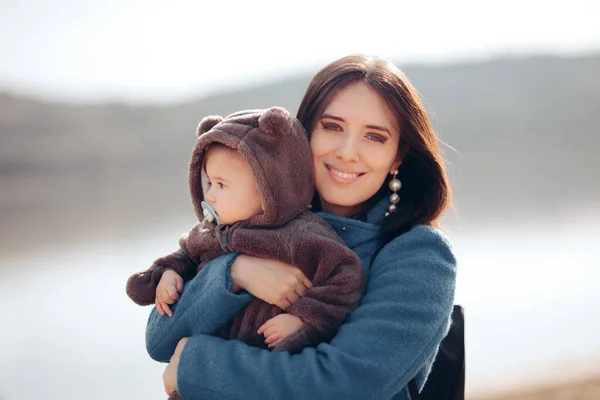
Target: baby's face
[(230, 189)]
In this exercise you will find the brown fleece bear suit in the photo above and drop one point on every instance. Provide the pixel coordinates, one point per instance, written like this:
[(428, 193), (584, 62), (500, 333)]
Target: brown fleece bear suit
[(276, 147)]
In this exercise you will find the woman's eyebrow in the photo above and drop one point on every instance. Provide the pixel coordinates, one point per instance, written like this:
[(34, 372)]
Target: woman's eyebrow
[(376, 127), (379, 128), (333, 117)]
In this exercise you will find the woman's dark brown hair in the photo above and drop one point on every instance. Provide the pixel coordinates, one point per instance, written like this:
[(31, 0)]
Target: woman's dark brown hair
[(425, 192)]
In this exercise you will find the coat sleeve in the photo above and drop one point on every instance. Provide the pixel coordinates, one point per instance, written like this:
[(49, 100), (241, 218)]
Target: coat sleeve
[(141, 286), (205, 305), (338, 285), (387, 339)]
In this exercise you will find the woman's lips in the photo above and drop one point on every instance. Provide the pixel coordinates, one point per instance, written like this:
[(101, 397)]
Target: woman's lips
[(342, 176)]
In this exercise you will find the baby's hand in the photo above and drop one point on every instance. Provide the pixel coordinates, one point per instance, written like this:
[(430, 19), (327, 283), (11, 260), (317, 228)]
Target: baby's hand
[(167, 291), (280, 327)]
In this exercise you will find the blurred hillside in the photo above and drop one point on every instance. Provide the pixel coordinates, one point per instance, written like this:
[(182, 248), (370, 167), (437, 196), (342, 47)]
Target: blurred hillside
[(524, 130)]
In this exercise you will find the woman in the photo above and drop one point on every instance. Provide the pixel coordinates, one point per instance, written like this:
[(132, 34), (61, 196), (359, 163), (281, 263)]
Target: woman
[(381, 183)]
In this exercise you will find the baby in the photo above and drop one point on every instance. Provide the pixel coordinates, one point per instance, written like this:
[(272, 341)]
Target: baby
[(251, 180)]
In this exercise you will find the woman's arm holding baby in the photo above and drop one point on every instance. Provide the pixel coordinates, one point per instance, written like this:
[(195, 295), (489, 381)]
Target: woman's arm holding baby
[(207, 302)]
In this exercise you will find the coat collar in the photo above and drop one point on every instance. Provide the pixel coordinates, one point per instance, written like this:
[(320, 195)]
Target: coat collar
[(355, 232)]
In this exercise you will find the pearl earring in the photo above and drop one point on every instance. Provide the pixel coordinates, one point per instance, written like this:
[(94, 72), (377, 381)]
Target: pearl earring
[(395, 185)]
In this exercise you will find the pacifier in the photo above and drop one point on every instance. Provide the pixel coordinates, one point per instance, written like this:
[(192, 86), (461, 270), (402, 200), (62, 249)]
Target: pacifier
[(209, 213)]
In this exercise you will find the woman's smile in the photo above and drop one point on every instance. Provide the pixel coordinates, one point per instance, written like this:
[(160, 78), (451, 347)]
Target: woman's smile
[(341, 176)]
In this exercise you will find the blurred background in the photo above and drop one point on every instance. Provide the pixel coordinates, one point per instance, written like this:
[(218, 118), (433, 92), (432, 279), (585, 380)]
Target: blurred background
[(99, 102)]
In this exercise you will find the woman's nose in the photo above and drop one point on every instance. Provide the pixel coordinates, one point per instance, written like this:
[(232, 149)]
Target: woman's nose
[(347, 150)]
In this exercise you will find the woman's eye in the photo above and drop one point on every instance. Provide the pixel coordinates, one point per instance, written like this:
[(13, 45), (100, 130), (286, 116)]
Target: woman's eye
[(376, 138), (331, 127)]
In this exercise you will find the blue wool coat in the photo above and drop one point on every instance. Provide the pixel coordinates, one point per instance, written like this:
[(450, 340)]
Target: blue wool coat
[(390, 338)]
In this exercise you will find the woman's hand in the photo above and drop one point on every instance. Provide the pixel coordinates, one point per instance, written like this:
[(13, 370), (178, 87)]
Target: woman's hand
[(272, 281), (170, 374)]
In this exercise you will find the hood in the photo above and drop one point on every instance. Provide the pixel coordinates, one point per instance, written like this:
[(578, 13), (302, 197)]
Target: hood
[(276, 147)]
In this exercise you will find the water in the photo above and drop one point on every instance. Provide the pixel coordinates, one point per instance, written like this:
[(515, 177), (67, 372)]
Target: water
[(532, 301), (68, 330)]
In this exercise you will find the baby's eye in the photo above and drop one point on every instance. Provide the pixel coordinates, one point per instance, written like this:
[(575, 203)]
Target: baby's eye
[(221, 186)]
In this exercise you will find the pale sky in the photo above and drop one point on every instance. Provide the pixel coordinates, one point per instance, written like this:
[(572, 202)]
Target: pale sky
[(163, 51)]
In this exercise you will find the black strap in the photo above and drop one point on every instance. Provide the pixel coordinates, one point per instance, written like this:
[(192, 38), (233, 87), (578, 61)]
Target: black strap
[(413, 390)]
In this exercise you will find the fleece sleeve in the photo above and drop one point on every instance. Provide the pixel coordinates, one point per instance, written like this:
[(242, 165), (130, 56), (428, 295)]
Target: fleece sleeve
[(384, 343), (141, 286), (338, 286), (205, 305)]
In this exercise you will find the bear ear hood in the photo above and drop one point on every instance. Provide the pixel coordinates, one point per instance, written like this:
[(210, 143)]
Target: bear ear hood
[(208, 123), (276, 147), (276, 121)]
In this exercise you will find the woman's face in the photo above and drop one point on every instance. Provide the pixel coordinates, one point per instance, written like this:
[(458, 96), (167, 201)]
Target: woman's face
[(354, 146)]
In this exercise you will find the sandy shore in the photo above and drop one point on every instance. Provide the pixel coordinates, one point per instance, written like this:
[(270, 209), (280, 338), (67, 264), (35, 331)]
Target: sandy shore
[(585, 389)]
